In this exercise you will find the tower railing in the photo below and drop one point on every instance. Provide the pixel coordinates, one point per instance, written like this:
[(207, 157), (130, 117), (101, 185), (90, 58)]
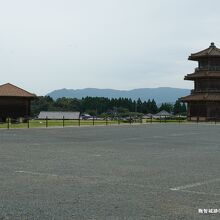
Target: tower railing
[(210, 68), (205, 90)]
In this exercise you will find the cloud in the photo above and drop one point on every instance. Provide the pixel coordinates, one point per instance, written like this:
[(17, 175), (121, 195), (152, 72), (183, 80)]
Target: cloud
[(122, 44)]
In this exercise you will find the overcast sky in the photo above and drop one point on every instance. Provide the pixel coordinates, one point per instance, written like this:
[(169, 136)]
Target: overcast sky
[(121, 44)]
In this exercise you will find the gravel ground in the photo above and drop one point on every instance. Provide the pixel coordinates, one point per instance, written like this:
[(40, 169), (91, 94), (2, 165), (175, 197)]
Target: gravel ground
[(153, 171)]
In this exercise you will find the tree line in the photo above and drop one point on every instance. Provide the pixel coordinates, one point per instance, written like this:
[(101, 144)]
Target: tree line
[(100, 105)]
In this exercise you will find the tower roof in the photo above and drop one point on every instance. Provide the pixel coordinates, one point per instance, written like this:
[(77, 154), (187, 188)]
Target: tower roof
[(9, 90), (202, 74), (208, 97), (211, 51)]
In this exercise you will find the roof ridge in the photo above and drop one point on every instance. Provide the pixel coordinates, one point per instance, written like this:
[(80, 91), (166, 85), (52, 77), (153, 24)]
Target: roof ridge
[(199, 52)]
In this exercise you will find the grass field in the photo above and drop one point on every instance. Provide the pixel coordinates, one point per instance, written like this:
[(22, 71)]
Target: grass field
[(66, 123), (55, 123)]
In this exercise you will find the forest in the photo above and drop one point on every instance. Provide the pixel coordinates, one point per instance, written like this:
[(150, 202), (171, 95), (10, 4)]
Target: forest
[(99, 105)]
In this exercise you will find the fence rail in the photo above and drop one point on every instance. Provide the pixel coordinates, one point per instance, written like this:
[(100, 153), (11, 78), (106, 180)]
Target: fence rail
[(45, 123)]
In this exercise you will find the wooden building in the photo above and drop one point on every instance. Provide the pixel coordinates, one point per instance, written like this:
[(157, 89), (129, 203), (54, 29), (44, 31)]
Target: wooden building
[(14, 102), (204, 101)]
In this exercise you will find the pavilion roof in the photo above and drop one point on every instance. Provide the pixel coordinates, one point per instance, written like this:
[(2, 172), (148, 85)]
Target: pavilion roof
[(201, 97), (9, 90), (212, 51), (58, 115), (163, 113)]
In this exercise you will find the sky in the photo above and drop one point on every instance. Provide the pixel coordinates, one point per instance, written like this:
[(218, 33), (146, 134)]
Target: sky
[(119, 44)]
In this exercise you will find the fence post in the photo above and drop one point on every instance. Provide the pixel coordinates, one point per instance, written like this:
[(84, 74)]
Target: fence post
[(79, 121), (106, 121), (8, 123), (93, 120), (46, 122), (28, 122), (63, 122)]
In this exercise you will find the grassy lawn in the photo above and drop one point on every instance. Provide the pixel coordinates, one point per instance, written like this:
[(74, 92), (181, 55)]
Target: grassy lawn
[(57, 123), (60, 123)]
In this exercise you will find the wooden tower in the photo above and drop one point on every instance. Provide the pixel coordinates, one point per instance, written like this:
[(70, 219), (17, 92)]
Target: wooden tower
[(204, 101)]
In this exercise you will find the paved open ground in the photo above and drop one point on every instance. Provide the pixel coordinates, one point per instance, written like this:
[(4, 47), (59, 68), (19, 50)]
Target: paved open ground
[(153, 171)]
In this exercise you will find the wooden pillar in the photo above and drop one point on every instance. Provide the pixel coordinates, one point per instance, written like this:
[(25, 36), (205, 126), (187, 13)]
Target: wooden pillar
[(27, 107), (216, 111), (188, 112)]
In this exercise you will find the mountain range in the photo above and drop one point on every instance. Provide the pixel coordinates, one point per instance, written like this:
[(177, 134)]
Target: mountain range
[(160, 95)]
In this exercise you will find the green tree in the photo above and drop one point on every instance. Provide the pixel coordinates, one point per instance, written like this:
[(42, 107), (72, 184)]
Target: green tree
[(183, 109), (154, 108), (177, 109), (139, 106), (42, 103), (167, 107)]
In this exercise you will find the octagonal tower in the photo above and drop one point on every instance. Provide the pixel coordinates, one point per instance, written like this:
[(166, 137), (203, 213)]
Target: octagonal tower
[(204, 101)]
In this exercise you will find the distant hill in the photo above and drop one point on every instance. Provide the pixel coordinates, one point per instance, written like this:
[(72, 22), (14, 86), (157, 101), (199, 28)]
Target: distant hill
[(161, 94)]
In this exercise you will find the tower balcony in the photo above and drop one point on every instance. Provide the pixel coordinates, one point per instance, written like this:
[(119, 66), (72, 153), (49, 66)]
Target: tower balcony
[(210, 68), (205, 91)]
